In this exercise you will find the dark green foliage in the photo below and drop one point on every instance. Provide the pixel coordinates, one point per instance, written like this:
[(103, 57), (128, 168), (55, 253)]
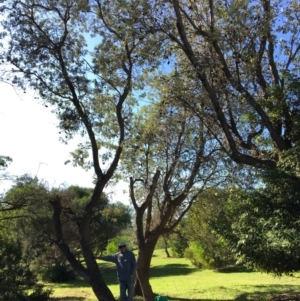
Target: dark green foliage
[(58, 274), (266, 224), (108, 220), (179, 241), (39, 294), (178, 247), (17, 282)]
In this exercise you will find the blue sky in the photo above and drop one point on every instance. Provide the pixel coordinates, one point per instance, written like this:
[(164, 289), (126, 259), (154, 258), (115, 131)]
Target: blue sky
[(29, 135)]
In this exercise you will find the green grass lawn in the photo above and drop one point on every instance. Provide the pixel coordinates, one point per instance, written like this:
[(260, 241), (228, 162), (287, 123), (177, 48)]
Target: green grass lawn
[(179, 280)]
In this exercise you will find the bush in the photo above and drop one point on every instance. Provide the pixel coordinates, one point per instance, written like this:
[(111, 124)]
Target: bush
[(195, 254), (17, 280), (178, 245), (58, 274), (40, 294), (202, 257), (112, 246)]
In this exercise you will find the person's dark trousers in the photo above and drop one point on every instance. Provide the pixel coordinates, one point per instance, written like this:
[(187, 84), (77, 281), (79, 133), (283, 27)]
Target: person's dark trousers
[(126, 290)]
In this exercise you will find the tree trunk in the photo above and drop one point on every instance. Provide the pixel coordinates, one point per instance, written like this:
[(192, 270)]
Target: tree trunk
[(166, 246), (143, 271), (167, 252), (96, 281), (138, 288), (101, 291)]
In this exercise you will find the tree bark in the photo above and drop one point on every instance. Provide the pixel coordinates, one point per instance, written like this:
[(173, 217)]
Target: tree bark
[(143, 270), (166, 246), (167, 252), (138, 288), (100, 289)]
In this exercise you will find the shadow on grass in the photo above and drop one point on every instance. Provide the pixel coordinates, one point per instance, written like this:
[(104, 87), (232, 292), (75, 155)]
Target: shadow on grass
[(234, 269), (68, 299), (171, 270)]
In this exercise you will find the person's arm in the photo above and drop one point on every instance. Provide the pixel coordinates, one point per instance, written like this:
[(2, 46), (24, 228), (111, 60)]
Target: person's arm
[(111, 258)]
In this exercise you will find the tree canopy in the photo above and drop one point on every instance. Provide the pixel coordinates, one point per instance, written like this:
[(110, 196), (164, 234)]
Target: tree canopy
[(242, 56)]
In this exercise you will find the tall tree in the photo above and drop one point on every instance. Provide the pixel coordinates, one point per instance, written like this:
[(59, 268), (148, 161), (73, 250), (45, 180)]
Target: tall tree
[(88, 89), (170, 163), (245, 55)]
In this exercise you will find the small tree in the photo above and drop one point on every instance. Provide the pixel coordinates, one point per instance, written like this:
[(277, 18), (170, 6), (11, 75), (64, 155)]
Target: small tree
[(178, 240)]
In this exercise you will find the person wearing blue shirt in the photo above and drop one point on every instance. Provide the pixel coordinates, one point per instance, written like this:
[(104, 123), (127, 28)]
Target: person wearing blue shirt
[(126, 268)]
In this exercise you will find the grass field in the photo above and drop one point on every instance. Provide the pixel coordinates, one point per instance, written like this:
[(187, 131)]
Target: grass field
[(180, 281)]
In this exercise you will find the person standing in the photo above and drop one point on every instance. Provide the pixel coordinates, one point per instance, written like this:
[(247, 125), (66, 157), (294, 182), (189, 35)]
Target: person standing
[(126, 268)]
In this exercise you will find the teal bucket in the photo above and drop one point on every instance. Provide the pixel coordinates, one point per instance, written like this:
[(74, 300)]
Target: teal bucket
[(161, 298)]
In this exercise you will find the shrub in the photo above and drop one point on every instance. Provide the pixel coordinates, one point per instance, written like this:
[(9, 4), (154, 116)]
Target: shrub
[(202, 257), (58, 274), (39, 294), (17, 281), (195, 254)]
